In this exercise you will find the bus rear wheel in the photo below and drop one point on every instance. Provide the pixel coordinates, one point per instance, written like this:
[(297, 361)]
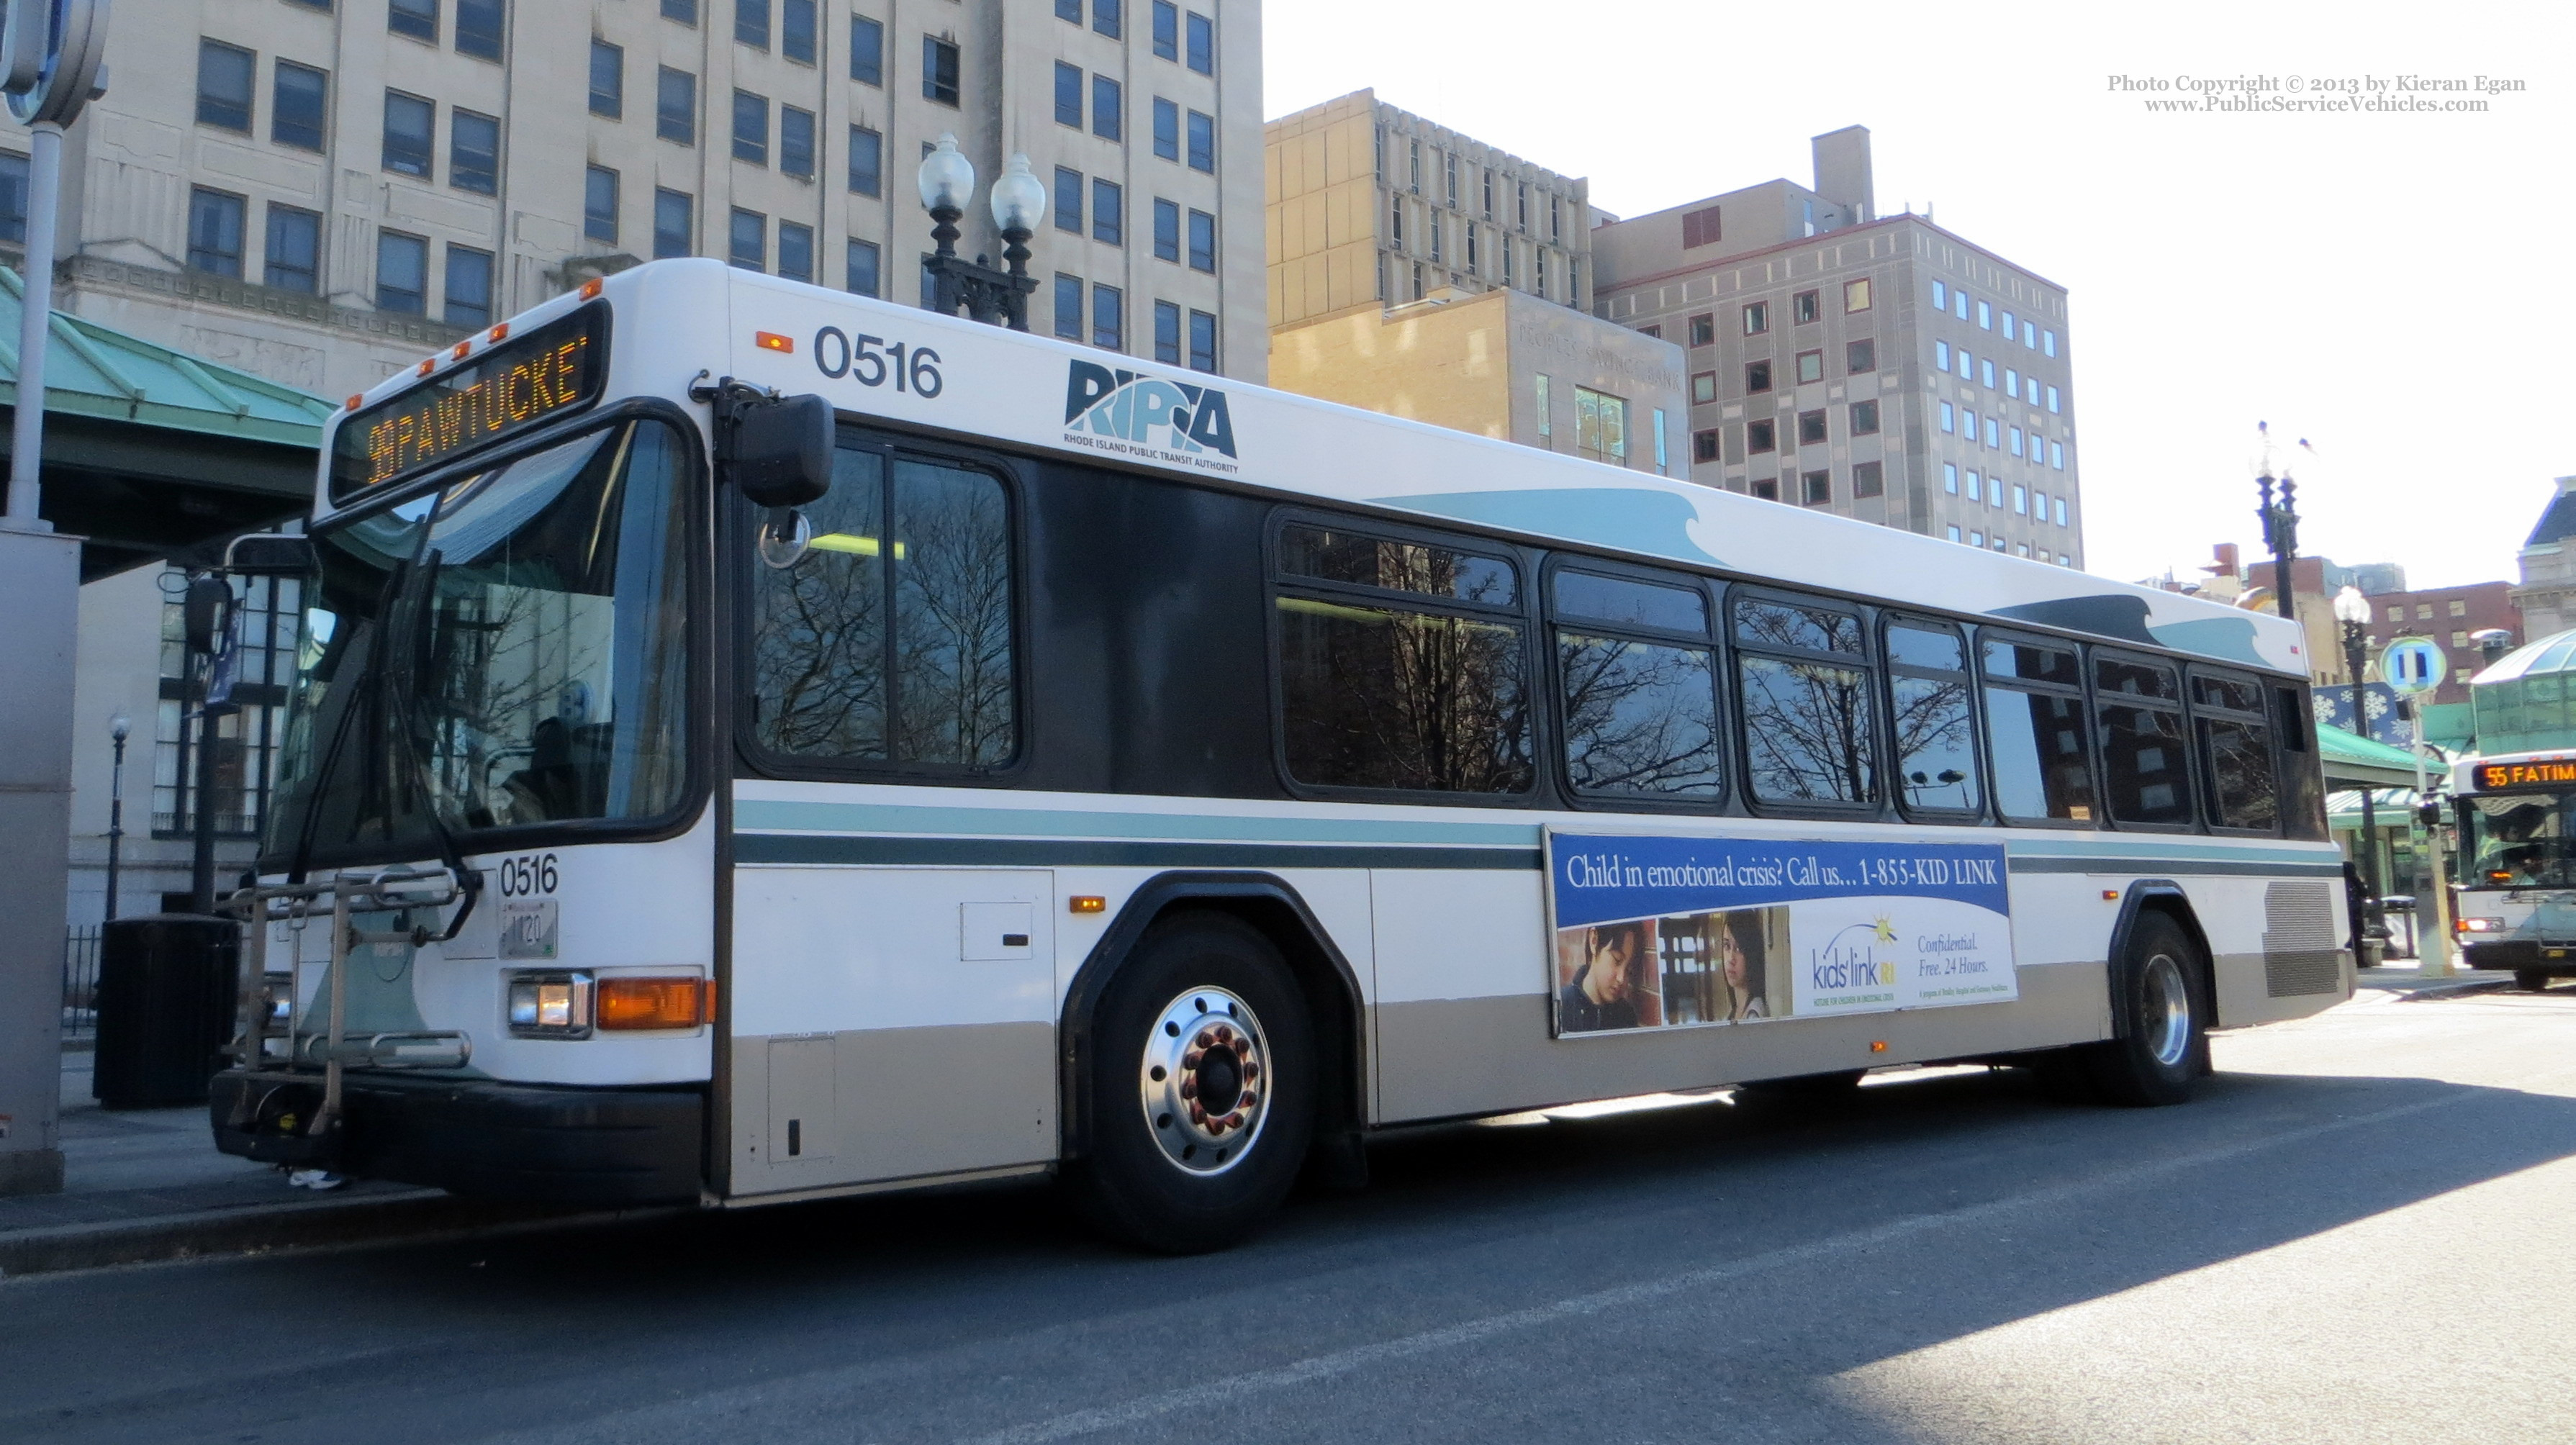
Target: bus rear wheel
[(2161, 1010), (1200, 1082)]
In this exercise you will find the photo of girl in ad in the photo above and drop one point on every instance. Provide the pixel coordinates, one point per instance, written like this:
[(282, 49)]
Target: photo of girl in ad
[(1742, 953), (1607, 979)]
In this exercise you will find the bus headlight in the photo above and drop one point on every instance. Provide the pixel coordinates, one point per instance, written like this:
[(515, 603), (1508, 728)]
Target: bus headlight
[(2482, 925), (554, 1005)]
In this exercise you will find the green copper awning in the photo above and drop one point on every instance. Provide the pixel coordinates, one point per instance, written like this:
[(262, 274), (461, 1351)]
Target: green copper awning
[(2353, 761)]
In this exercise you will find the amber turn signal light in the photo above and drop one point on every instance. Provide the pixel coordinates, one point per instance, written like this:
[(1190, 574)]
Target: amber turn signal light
[(772, 341), (655, 1003), (1878, 1046), (1087, 903)]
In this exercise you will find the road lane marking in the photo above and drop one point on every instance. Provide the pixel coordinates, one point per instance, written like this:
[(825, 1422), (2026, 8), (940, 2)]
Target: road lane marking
[(1337, 1363)]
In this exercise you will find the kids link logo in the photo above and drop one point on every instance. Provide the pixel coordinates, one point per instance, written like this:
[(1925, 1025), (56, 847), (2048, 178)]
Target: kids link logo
[(1124, 411)]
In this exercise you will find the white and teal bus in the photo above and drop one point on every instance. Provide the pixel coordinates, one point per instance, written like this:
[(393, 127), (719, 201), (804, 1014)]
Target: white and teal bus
[(2517, 901), (755, 743)]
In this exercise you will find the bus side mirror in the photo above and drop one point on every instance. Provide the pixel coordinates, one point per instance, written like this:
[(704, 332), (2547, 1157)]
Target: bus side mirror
[(271, 554), (780, 451)]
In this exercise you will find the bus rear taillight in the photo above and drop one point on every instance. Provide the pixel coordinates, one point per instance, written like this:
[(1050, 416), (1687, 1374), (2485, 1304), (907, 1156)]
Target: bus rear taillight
[(655, 1003)]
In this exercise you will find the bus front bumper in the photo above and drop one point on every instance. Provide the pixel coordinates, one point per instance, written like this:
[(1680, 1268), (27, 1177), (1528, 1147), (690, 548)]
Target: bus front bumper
[(2521, 955), (546, 1143)]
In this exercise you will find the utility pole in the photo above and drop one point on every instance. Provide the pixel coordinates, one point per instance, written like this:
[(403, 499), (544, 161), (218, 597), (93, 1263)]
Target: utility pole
[(50, 67)]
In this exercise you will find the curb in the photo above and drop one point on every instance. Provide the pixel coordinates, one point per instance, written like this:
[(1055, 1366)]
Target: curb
[(411, 1216)]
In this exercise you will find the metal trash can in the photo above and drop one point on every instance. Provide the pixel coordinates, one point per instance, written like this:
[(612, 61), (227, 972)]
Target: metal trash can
[(166, 989)]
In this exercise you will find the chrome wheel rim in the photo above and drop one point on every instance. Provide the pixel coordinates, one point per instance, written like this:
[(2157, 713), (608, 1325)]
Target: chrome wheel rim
[(1205, 1043), (2167, 1015)]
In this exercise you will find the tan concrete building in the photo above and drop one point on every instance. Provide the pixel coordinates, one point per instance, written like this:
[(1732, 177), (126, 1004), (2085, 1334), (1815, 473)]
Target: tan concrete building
[(319, 193), (1880, 368), (2546, 596), (1500, 364), (1371, 206)]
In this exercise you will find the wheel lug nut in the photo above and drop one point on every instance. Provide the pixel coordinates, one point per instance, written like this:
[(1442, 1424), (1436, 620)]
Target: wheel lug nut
[(1251, 1070), (1248, 1100), (1191, 1059), (1234, 1121), (1198, 1115)]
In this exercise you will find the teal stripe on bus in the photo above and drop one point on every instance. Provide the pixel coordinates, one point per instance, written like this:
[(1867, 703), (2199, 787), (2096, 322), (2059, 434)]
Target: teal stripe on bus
[(783, 848), (769, 816)]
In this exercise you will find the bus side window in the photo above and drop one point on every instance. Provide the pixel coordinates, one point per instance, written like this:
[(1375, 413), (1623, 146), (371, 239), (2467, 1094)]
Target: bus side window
[(1638, 680), (2146, 769), (1930, 712), (2235, 743), (2303, 788), (1802, 671), (2037, 731)]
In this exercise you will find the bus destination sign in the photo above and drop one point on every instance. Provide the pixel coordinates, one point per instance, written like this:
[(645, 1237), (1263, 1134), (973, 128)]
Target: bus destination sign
[(2531, 775), (515, 385)]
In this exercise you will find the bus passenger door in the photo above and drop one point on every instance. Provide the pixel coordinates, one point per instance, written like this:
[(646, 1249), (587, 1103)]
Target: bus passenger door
[(890, 1023)]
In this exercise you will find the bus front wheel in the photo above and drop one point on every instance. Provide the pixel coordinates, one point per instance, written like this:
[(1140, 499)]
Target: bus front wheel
[(2163, 1041), (1201, 1084)]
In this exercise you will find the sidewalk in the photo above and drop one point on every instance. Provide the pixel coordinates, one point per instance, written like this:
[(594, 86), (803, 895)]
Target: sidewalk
[(147, 1184)]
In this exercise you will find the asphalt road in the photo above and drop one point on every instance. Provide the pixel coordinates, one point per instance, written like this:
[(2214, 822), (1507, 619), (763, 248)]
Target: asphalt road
[(2358, 1233)]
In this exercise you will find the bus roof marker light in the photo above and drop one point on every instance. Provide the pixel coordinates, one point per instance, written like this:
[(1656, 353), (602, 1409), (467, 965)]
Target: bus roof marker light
[(356, 399), (773, 341), (591, 288), (1878, 1046), (427, 365), (498, 333), (462, 347)]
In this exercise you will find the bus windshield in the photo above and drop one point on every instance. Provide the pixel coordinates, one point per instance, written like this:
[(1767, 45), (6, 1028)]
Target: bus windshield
[(2522, 840), (509, 651)]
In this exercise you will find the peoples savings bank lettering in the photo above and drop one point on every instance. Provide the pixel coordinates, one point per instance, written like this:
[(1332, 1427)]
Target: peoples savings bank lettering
[(440, 421), (1131, 414)]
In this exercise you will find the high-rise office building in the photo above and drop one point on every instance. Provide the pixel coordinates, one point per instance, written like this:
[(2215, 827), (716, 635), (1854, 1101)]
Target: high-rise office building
[(319, 192), (1878, 367)]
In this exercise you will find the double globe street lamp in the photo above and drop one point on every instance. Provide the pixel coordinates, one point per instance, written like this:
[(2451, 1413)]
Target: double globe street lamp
[(2352, 613), (1019, 203)]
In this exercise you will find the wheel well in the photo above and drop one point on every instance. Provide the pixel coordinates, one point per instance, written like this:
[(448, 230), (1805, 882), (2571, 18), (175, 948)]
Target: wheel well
[(1275, 911), (2168, 901)]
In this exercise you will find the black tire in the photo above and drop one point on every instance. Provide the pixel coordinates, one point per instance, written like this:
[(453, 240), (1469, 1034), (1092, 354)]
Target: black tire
[(2531, 980), (2161, 1010), (1213, 994)]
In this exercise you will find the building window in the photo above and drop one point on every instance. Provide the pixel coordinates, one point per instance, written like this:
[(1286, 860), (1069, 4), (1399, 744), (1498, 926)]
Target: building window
[(1167, 333), (674, 224), (1068, 95), (867, 59), (1656, 331), (751, 23), (2052, 399), (1767, 488), (1985, 317), (2012, 383), (1950, 478), (795, 251), (299, 107), (1108, 108), (1940, 356), (938, 70), (1703, 387), (1167, 30), (1762, 435), (1704, 446), (1601, 426), (599, 205), (415, 18), (867, 163), (1395, 222), (1986, 370), (1856, 295), (1967, 365), (2057, 455), (402, 273), (1167, 246), (224, 81), (408, 140), (1757, 318), (1941, 302), (1546, 414), (1068, 201), (2008, 325), (1167, 129), (2061, 511), (1202, 50), (1804, 308), (1203, 242), (1203, 341), (2021, 500), (473, 152), (796, 30), (1069, 11), (1757, 376), (1108, 318), (1811, 366), (683, 11), (675, 106), (1959, 303), (751, 127), (1864, 418), (2456, 607), (1202, 142), (1816, 489), (2012, 440), (215, 232), (860, 269), (796, 142), (607, 79), (1861, 355), (1700, 227), (1975, 491), (748, 245), (479, 24), (1811, 428), (2048, 343), (294, 255), (469, 278), (2029, 334), (1992, 426), (1469, 230), (1108, 212), (1068, 307)]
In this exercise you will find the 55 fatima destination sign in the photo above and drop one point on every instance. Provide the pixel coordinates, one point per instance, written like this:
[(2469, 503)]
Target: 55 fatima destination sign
[(1657, 931)]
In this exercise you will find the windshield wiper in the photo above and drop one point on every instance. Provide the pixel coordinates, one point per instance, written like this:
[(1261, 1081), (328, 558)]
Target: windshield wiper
[(408, 721), (370, 686)]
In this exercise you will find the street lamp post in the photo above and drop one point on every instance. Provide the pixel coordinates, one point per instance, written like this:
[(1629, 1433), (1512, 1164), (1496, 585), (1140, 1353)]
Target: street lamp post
[(117, 728), (2352, 610), (2280, 533), (996, 297)]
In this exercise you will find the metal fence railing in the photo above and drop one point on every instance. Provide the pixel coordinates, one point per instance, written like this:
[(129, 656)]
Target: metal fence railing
[(80, 982)]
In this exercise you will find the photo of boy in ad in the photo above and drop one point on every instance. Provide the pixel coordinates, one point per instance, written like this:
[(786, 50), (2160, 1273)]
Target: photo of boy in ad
[(1607, 978)]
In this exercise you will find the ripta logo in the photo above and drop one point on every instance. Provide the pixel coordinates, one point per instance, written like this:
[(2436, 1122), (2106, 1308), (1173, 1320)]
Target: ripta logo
[(1147, 410)]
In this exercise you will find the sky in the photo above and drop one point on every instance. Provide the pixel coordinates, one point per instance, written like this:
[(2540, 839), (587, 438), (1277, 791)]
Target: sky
[(2392, 287)]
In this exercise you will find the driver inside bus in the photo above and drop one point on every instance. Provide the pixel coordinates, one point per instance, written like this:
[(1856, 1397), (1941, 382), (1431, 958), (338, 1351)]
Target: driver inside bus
[(1603, 994)]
